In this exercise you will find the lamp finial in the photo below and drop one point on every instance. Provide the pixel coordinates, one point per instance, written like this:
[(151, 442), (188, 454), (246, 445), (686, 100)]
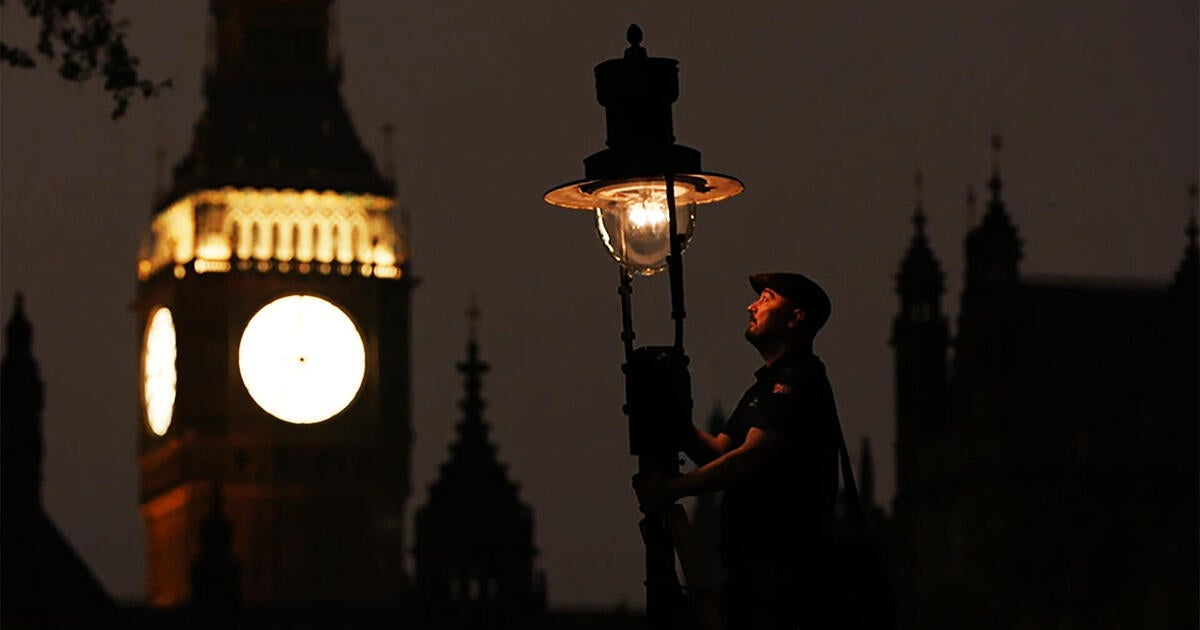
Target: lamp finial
[(634, 36)]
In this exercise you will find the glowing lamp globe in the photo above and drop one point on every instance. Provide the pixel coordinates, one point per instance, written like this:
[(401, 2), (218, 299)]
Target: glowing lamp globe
[(634, 185), (634, 225)]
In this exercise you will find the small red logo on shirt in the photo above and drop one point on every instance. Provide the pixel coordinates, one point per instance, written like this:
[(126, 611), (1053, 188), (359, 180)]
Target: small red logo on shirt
[(780, 388)]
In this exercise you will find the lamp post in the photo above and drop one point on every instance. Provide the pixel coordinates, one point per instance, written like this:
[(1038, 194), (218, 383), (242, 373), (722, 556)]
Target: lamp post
[(644, 189)]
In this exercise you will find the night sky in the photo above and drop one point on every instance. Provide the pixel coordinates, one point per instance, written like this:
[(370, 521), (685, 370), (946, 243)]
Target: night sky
[(824, 110)]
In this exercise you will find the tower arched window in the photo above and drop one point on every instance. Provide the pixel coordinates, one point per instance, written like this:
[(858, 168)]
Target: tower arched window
[(256, 238), (279, 246), (235, 240), (298, 250), (266, 245)]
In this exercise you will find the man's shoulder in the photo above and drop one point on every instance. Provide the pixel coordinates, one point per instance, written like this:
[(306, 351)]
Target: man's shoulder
[(796, 372)]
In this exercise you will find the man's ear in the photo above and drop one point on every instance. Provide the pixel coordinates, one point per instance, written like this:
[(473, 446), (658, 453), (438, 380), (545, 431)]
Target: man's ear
[(797, 317)]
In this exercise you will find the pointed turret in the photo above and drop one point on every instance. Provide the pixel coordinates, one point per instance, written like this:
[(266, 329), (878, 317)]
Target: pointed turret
[(43, 581), (919, 340), (274, 116), (20, 417), (993, 248), (474, 536), (920, 281)]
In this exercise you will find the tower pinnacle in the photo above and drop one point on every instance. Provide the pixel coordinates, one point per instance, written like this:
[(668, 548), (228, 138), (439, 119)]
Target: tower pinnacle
[(474, 536), (920, 277), (993, 248), (996, 184), (918, 219), (274, 116)]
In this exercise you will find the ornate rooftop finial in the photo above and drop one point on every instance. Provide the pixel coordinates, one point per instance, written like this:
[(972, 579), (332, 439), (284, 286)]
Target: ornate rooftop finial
[(473, 315), (996, 183), (920, 275), (918, 219), (473, 368), (993, 247)]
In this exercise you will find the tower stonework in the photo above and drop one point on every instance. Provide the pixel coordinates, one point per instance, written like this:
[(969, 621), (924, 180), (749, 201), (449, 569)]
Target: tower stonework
[(1049, 478), (272, 310), (919, 340)]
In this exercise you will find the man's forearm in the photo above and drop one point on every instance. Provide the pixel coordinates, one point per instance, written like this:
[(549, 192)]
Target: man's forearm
[(729, 468), (702, 448), (718, 474)]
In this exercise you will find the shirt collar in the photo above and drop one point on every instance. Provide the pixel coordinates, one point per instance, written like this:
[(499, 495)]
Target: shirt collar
[(791, 357)]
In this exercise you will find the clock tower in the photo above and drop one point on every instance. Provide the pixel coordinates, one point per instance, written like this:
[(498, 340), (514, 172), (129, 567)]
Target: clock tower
[(273, 320)]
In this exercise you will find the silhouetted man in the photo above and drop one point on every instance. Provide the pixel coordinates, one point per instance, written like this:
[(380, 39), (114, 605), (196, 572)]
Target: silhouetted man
[(776, 460)]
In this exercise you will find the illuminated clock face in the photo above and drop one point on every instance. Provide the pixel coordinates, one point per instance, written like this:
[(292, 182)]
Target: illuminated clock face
[(302, 359), (158, 371)]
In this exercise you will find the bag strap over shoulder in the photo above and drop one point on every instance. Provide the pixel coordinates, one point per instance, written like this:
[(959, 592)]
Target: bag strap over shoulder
[(855, 507), (855, 504), (847, 469)]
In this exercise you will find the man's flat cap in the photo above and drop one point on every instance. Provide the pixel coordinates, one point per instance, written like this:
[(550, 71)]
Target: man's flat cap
[(800, 291)]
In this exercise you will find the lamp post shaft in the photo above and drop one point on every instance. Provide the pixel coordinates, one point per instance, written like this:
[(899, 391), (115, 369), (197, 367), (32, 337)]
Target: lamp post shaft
[(675, 264), (637, 92)]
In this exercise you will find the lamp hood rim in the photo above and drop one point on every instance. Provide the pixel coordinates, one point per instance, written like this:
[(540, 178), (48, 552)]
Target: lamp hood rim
[(707, 187)]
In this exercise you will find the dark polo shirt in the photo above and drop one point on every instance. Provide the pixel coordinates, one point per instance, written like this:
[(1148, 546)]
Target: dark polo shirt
[(783, 513)]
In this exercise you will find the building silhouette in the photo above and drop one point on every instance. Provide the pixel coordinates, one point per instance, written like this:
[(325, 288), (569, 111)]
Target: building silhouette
[(475, 548), (1046, 453), (43, 581)]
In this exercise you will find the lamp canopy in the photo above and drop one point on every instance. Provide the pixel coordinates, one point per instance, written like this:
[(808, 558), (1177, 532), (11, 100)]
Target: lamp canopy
[(637, 92)]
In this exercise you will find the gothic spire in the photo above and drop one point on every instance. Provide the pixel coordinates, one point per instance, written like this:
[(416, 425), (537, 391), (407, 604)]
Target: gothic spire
[(474, 536), (993, 248), (20, 416), (473, 465), (274, 116), (472, 428), (920, 276)]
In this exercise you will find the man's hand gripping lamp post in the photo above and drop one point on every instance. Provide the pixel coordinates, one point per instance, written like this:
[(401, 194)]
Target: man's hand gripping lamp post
[(644, 190)]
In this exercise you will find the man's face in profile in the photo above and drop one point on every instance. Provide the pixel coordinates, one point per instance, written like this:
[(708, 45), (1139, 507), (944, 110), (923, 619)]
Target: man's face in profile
[(771, 318)]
